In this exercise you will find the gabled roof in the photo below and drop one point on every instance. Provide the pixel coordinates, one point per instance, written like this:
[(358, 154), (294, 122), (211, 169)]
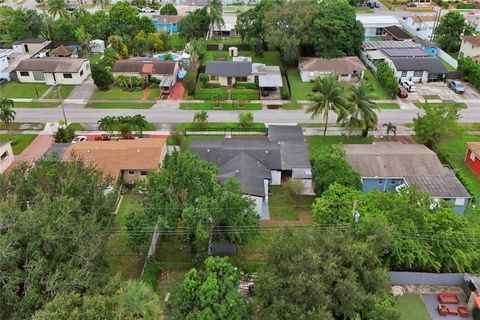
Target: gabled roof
[(430, 64), (51, 65), (61, 51), (474, 147), (443, 186), (137, 66), (268, 76), (229, 68), (422, 19), (472, 39), (397, 33), (345, 65)]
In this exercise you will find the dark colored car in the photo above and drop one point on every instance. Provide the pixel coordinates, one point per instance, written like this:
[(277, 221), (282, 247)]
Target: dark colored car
[(3, 81), (402, 93), (71, 8), (411, 4), (456, 86)]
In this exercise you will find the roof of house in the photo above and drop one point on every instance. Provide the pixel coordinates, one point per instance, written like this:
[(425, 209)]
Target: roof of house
[(34, 40), (472, 39), (51, 65), (374, 19), (111, 157), (372, 45), (405, 52), (418, 19), (268, 76), (163, 18), (393, 159), (229, 68), (397, 33), (430, 64), (438, 185), (285, 133), (61, 51), (474, 147), (345, 65), (143, 66)]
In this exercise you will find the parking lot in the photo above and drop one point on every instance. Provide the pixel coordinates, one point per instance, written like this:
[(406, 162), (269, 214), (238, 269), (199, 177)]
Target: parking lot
[(443, 91)]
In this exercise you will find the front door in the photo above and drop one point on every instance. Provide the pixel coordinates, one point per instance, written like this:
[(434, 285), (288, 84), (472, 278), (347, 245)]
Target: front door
[(25, 47), (229, 81)]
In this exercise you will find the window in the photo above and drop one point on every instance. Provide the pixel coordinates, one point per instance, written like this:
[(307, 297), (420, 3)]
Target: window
[(4, 155), (87, 66), (24, 73), (393, 181), (67, 75), (344, 75), (472, 156), (131, 173), (381, 181), (143, 173), (404, 74), (38, 76), (81, 73), (241, 79), (213, 78), (418, 73)]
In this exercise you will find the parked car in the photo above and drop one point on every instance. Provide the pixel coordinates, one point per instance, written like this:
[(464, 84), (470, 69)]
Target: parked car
[(372, 4), (456, 86), (79, 139), (409, 85), (411, 4), (147, 10), (402, 93), (3, 81), (71, 8)]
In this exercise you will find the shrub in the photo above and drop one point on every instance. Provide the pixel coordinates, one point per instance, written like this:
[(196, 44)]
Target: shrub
[(213, 85), (130, 83), (284, 93), (102, 76), (203, 79), (169, 9), (189, 83), (245, 119), (64, 135), (245, 85), (386, 77), (176, 136), (154, 80)]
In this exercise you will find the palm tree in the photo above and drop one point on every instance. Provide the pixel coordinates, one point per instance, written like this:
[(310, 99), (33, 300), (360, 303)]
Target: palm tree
[(136, 300), (200, 118), (215, 10), (7, 114), (390, 128), (57, 7), (196, 49), (327, 96), (107, 123), (102, 3), (361, 109), (139, 122)]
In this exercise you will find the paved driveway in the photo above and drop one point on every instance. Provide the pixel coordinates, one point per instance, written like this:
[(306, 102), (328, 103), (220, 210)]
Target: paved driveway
[(443, 91)]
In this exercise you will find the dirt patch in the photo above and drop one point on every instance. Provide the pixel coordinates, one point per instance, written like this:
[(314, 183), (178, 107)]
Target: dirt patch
[(401, 139)]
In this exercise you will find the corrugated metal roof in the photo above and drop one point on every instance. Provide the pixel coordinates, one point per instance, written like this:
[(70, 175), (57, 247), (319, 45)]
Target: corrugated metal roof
[(444, 186), (371, 45)]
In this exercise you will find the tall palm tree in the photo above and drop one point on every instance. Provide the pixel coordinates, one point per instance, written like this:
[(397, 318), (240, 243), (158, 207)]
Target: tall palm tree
[(215, 10), (361, 109), (327, 96), (107, 123), (57, 7), (102, 3), (200, 118), (140, 123), (197, 49), (136, 300), (7, 114)]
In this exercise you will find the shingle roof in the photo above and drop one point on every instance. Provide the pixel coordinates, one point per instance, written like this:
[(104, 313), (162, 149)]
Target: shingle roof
[(369, 45), (474, 147), (405, 52), (61, 50), (397, 33), (136, 66), (34, 40), (285, 133), (443, 186), (111, 157), (51, 65), (430, 64), (393, 159), (345, 65), (472, 39), (228, 68)]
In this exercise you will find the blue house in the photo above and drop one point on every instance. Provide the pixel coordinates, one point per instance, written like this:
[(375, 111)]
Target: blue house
[(388, 166), (166, 23)]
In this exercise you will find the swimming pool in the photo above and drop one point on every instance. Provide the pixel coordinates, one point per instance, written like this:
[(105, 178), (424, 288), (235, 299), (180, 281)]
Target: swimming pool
[(173, 56)]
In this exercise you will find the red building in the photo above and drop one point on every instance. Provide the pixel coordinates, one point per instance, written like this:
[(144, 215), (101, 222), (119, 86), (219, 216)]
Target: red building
[(472, 158)]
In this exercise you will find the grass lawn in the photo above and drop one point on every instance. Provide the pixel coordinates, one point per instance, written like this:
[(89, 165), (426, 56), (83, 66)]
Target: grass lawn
[(299, 89), (19, 141), (116, 93), (210, 94), (391, 105), (177, 42), (448, 66), (431, 97), (229, 40), (292, 106), (119, 105), (36, 104), (94, 58), (24, 126), (76, 126), (23, 90), (210, 56), (65, 91), (423, 104), (224, 106), (154, 94), (245, 94), (284, 206), (378, 90), (318, 145), (412, 307), (120, 256)]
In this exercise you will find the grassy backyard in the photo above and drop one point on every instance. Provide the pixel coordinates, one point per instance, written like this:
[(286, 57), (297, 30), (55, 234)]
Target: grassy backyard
[(412, 307), (119, 105), (116, 93), (65, 91), (223, 106), (177, 42), (19, 141), (318, 145), (284, 206), (299, 89), (378, 90), (23, 90)]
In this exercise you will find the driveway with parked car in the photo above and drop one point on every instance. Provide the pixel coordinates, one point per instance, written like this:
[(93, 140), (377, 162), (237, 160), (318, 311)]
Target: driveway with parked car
[(443, 91)]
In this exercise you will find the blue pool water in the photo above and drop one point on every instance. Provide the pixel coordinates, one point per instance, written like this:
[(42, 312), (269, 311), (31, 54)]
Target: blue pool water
[(173, 56)]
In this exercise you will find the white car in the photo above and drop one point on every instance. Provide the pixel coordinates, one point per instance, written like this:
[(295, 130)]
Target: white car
[(79, 139), (409, 85), (147, 10)]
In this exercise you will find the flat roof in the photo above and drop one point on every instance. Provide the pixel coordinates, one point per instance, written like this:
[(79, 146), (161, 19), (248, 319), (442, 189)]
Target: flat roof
[(374, 19), (371, 45)]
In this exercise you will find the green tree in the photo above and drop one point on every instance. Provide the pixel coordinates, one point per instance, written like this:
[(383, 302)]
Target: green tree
[(245, 119), (449, 31), (471, 70), (190, 83), (437, 124), (327, 96), (57, 8), (211, 294), (63, 29), (64, 135), (140, 44), (18, 26), (195, 25), (154, 43), (329, 169), (36, 21), (139, 124), (197, 49), (168, 9), (102, 76), (7, 114), (201, 118), (102, 3), (119, 46), (215, 11), (203, 79), (361, 109), (320, 274), (83, 37), (386, 77), (107, 123)]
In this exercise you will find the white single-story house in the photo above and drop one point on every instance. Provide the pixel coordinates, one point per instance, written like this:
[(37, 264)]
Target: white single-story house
[(53, 70), (470, 47), (375, 24), (31, 46), (420, 26), (4, 58), (348, 69)]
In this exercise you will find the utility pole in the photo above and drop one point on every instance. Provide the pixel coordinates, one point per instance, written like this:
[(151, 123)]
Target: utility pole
[(57, 87)]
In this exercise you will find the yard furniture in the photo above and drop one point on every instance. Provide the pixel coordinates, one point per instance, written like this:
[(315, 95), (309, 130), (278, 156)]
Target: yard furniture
[(447, 298), (452, 310), (463, 311), (442, 310)]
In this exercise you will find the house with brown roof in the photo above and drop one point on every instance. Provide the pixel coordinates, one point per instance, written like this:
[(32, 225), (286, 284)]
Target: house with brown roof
[(53, 70), (123, 161), (348, 69), (390, 166), (63, 51), (470, 47)]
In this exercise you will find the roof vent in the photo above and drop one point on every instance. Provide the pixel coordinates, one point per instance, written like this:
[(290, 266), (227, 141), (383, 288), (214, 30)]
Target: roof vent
[(208, 150), (236, 171), (266, 151)]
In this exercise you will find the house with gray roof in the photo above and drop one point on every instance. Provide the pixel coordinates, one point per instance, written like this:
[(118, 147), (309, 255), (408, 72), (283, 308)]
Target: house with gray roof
[(260, 162), (389, 166)]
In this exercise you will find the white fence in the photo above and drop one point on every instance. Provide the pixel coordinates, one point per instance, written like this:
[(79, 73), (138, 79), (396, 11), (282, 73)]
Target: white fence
[(447, 58)]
